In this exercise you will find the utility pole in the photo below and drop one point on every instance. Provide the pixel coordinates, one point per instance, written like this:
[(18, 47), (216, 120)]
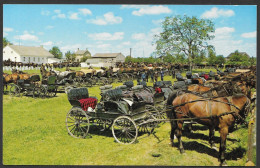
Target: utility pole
[(130, 52)]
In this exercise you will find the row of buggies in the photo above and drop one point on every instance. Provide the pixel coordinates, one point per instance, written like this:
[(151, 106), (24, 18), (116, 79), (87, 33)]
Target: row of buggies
[(126, 109)]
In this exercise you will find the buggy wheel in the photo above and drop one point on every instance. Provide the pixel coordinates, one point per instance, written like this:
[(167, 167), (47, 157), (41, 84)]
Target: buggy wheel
[(53, 92), (124, 130), (14, 90), (77, 123), (39, 91)]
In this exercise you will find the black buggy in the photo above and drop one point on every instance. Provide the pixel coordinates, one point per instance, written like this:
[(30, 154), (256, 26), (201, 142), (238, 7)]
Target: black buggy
[(124, 117)]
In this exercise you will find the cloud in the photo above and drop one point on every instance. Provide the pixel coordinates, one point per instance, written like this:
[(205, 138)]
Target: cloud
[(104, 46), (138, 36), (73, 47), (8, 29), (27, 37), (157, 22), (5, 34), (216, 13), (126, 43), (85, 11), (106, 19), (107, 36), (74, 16), (48, 43), (148, 9), (58, 14), (225, 42), (41, 33), (45, 13), (49, 27), (249, 35)]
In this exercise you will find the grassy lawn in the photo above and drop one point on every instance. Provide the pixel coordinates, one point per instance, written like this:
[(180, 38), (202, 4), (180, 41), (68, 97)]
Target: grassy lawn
[(34, 133)]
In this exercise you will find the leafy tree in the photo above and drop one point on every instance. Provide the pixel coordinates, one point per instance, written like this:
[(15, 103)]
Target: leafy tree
[(211, 57), (70, 56), (252, 61), (5, 42), (56, 52), (200, 58), (183, 34), (238, 58), (220, 60), (128, 59), (84, 58)]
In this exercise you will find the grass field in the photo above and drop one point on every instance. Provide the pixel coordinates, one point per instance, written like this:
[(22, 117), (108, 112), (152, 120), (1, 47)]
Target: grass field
[(34, 133)]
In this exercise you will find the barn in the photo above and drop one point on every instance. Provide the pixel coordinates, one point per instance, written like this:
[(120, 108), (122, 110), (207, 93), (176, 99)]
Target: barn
[(105, 59), (81, 53), (26, 54)]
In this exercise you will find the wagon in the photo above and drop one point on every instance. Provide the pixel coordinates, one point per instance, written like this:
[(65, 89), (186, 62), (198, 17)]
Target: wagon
[(33, 87), (124, 117)]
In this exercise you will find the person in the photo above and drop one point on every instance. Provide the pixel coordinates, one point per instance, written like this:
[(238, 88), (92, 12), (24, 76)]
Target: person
[(173, 74), (152, 75), (147, 75), (143, 76), (162, 74), (155, 76)]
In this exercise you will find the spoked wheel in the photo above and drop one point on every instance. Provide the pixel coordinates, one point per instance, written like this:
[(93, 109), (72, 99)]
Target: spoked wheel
[(52, 92), (88, 82), (39, 91), (124, 130), (14, 90), (77, 123)]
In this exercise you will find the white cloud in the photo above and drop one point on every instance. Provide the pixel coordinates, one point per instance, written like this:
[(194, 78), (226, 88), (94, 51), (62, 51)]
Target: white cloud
[(45, 13), (27, 37), (103, 46), (58, 14), (74, 16), (249, 35), (148, 9), (126, 43), (107, 36), (157, 22), (138, 36), (73, 48), (48, 43), (49, 27), (8, 29), (41, 33), (226, 42), (85, 11), (5, 34), (106, 19), (215, 13)]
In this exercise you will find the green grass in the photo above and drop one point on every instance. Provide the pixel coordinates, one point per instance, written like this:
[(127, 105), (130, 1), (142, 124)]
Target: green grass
[(34, 133)]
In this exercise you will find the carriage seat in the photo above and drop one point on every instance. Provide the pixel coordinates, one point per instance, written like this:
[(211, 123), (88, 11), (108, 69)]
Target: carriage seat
[(129, 84), (113, 94), (105, 88), (80, 97), (122, 87)]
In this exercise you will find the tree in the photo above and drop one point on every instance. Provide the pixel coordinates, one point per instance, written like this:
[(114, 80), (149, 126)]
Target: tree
[(183, 34), (70, 56), (84, 58), (6, 42), (220, 60), (252, 61), (238, 58), (56, 52), (211, 57), (200, 58)]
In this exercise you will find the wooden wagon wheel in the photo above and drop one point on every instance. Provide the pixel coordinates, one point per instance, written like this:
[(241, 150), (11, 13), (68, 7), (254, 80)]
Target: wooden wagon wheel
[(39, 91), (77, 123), (124, 130), (88, 82), (52, 92), (14, 90)]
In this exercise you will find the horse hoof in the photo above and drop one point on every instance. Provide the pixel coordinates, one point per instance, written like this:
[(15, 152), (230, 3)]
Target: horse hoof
[(182, 151), (223, 164)]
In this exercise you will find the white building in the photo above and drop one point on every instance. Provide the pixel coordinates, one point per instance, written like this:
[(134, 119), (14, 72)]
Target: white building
[(105, 59), (26, 54)]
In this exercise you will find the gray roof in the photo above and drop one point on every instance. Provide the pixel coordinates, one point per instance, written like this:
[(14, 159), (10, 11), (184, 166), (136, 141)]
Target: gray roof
[(81, 52), (31, 51), (106, 55)]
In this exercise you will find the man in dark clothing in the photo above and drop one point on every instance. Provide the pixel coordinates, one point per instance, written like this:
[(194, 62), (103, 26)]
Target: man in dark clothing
[(162, 74), (173, 74), (152, 75), (156, 76)]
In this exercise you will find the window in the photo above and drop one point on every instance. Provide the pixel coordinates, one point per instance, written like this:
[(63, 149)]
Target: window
[(34, 59), (23, 58)]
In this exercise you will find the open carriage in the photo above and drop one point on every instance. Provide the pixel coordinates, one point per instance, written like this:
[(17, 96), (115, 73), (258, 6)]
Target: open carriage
[(124, 117), (34, 87)]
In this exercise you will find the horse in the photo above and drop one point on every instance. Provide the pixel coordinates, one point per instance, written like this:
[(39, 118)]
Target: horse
[(218, 113), (46, 73)]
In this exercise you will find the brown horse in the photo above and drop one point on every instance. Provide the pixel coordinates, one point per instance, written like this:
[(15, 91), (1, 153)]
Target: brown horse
[(46, 73), (214, 113)]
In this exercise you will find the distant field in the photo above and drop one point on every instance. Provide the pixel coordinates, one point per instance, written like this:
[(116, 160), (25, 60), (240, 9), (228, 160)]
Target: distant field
[(34, 133)]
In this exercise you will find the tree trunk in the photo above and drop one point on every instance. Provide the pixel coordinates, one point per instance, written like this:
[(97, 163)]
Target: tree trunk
[(190, 63)]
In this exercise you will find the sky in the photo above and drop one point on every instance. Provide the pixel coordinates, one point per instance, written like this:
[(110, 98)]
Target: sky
[(117, 28)]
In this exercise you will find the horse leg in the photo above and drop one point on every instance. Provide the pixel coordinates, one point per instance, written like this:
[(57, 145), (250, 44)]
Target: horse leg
[(178, 133), (173, 128), (211, 136), (223, 137)]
